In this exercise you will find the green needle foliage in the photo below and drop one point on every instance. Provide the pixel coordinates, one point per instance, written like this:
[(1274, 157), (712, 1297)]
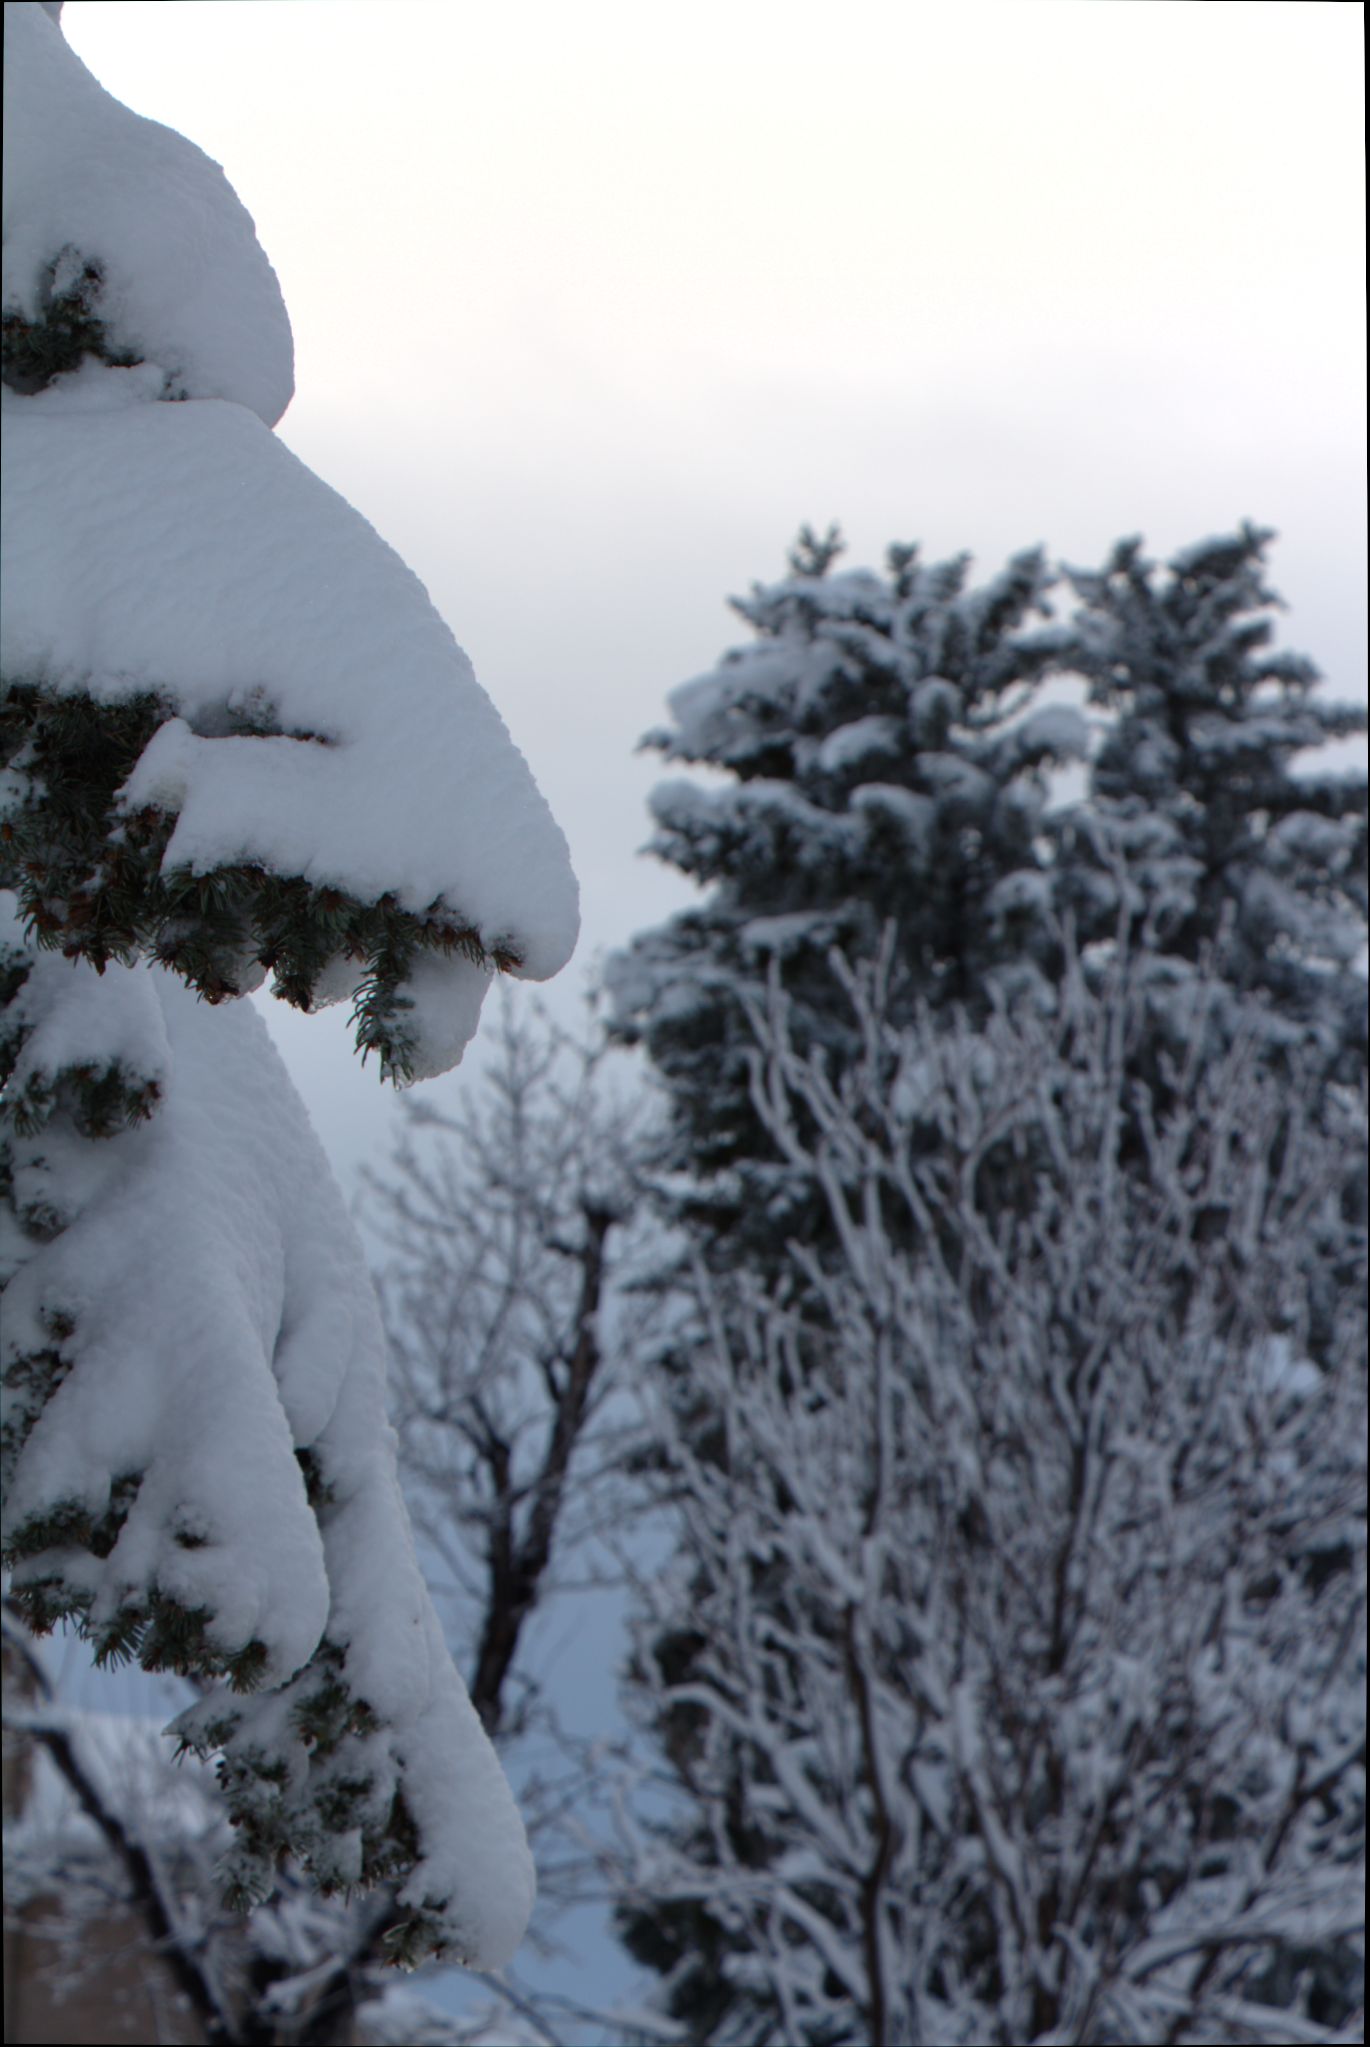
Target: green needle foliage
[(92, 881)]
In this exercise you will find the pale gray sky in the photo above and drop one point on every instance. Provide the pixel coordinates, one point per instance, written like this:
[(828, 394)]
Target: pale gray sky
[(594, 304)]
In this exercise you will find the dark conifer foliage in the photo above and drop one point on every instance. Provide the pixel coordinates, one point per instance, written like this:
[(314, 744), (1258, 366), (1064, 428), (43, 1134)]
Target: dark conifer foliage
[(888, 765), (1207, 791), (91, 882)]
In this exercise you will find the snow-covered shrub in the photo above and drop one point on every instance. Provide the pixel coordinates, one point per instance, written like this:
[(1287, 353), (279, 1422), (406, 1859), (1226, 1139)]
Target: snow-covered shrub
[(1011, 1668)]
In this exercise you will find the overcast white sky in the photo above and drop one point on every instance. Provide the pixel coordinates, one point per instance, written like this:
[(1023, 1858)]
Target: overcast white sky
[(595, 303)]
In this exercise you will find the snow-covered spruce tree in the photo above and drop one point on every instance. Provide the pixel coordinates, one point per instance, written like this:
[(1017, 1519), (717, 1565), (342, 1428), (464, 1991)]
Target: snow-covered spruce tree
[(1208, 787), (886, 764), (1011, 1672), (744, 1200), (238, 741)]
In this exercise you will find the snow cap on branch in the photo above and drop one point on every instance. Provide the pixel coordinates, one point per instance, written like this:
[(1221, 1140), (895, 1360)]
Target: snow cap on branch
[(183, 283), (309, 777)]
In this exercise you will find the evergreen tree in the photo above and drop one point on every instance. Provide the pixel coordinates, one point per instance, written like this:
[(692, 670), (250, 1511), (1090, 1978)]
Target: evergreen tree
[(889, 768), (888, 764), (237, 741), (1208, 795)]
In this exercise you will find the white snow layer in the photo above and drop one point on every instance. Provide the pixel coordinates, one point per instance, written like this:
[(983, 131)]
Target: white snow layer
[(241, 1329), (182, 549), (187, 285), (849, 745), (64, 1015)]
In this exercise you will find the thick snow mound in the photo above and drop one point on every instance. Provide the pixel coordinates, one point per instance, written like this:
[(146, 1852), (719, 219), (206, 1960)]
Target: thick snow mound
[(222, 1322), (63, 1016), (175, 1366), (183, 550), (187, 286)]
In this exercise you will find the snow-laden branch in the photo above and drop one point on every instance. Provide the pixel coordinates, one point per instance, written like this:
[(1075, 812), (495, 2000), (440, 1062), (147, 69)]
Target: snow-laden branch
[(1025, 1566)]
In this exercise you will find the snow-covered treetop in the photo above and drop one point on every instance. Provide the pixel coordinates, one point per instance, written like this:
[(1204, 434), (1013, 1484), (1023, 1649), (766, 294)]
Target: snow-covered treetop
[(869, 713), (831, 646), (886, 760), (303, 774), (184, 284), (1215, 785)]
